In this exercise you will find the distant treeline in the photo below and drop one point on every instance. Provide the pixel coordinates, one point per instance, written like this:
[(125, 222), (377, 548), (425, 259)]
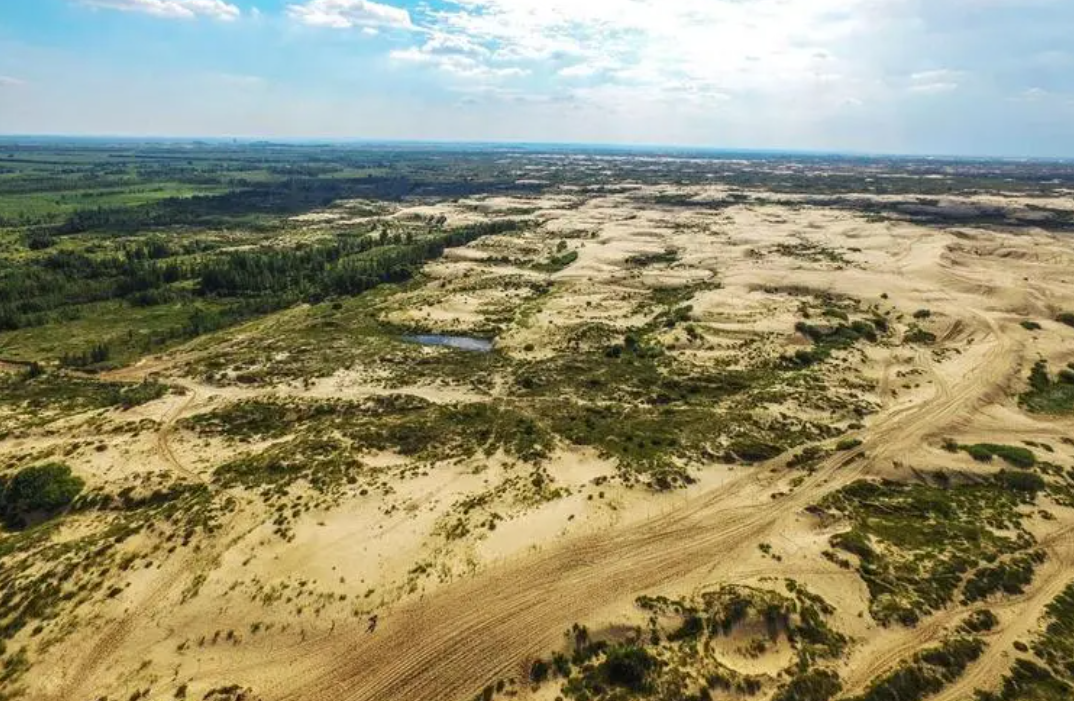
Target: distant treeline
[(344, 267), (289, 196), (253, 281)]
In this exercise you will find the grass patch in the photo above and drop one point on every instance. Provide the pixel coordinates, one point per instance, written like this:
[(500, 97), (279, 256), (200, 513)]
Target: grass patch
[(557, 262), (919, 336), (327, 434), (1049, 396), (673, 655), (1049, 677), (1013, 455), (1009, 577), (645, 260), (848, 444), (926, 673), (33, 399), (915, 543)]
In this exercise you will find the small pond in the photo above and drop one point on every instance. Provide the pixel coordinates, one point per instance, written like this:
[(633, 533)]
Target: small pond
[(466, 343)]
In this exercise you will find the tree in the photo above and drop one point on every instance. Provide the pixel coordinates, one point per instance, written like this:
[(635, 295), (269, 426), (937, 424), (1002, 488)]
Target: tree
[(39, 489), (628, 666)]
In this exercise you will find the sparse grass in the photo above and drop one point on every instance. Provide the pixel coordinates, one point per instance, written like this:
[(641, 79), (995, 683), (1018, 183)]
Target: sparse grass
[(827, 339), (671, 657), (45, 580), (915, 544), (1050, 677), (1009, 577), (926, 673), (645, 260), (405, 424), (32, 399), (814, 685)]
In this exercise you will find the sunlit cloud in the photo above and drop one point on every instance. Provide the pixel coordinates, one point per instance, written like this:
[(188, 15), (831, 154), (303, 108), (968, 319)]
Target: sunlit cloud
[(172, 9), (345, 14)]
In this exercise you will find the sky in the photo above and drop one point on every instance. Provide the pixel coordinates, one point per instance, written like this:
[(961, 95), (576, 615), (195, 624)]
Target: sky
[(950, 77)]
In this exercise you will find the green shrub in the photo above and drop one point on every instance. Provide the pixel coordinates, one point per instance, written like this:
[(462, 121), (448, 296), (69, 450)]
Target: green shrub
[(1015, 455), (814, 685), (628, 666), (919, 336), (980, 622), (750, 450), (1030, 325), (1021, 481), (39, 489), (691, 628), (1029, 681), (558, 262), (917, 543), (925, 673), (1066, 318), (643, 260), (1010, 577), (848, 444), (1044, 395), (539, 671)]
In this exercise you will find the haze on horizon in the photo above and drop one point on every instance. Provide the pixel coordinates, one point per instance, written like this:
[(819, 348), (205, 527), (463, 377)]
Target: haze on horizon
[(958, 77)]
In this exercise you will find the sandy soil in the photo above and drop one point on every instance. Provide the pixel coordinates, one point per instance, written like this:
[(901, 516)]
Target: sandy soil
[(506, 596)]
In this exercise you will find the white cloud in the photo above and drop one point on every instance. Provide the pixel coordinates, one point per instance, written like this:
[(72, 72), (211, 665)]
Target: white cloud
[(580, 70), (344, 14), (457, 63), (459, 55), (7, 81), (935, 82), (173, 9), (698, 50)]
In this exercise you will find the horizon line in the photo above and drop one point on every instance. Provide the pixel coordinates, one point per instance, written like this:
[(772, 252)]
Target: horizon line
[(559, 145)]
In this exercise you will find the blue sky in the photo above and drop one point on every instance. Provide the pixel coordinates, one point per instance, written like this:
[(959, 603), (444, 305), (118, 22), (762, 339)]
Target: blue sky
[(973, 77)]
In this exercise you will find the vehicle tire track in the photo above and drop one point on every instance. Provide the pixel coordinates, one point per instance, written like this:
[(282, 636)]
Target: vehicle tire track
[(520, 608)]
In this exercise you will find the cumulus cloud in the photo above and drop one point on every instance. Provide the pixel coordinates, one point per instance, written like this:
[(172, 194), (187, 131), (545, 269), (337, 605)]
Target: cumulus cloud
[(697, 49), (172, 9), (345, 14), (580, 70), (459, 63), (935, 81)]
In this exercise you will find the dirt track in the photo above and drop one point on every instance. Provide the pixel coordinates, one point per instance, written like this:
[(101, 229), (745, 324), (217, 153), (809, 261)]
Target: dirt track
[(452, 643)]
